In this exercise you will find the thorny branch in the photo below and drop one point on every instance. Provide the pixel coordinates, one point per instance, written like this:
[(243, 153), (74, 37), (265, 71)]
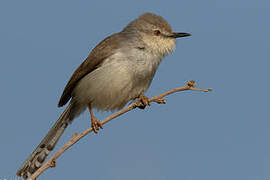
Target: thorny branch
[(51, 162)]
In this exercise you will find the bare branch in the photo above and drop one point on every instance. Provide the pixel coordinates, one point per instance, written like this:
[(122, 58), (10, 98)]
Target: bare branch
[(51, 162)]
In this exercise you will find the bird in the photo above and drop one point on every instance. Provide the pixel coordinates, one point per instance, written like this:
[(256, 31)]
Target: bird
[(118, 70)]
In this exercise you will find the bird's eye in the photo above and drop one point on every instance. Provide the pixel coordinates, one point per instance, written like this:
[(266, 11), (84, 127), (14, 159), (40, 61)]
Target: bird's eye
[(157, 32)]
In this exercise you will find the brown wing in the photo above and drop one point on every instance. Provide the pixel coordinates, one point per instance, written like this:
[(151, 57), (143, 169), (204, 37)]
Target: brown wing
[(103, 50)]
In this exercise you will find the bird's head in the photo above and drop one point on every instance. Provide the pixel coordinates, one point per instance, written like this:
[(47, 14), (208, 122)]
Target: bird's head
[(155, 32)]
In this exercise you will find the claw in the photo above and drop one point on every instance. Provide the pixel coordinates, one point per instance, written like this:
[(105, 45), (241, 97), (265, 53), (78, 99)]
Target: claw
[(160, 101), (144, 101), (96, 125)]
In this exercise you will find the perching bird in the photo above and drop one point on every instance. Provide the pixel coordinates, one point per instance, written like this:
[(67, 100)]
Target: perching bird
[(119, 69)]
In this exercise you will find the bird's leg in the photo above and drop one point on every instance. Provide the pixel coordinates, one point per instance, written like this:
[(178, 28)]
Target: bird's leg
[(144, 101), (95, 124)]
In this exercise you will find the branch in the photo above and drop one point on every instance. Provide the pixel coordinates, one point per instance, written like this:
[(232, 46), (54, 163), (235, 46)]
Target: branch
[(76, 137)]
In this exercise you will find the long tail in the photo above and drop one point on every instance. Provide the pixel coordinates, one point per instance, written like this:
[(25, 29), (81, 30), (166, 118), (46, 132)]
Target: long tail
[(35, 160)]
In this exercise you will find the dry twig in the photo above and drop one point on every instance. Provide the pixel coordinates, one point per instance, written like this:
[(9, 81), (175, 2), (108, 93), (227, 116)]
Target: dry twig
[(51, 162)]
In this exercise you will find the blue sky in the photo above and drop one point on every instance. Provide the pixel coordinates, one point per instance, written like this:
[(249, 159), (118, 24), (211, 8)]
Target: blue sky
[(204, 136)]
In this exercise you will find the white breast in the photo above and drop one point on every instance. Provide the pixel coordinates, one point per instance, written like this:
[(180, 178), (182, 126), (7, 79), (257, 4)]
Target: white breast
[(121, 78)]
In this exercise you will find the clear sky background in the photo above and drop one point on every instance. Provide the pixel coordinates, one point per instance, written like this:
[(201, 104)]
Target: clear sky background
[(222, 135)]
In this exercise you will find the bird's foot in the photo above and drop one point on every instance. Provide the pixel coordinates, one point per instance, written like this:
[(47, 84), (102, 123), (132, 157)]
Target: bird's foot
[(143, 101), (95, 124)]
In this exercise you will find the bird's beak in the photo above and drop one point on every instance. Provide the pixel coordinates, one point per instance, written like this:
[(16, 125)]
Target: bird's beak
[(178, 35)]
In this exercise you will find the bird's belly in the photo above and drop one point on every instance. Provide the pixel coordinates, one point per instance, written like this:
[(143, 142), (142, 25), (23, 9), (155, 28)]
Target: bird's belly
[(109, 87)]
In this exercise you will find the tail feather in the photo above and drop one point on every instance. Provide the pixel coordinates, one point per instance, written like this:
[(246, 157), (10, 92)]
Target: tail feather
[(36, 159)]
